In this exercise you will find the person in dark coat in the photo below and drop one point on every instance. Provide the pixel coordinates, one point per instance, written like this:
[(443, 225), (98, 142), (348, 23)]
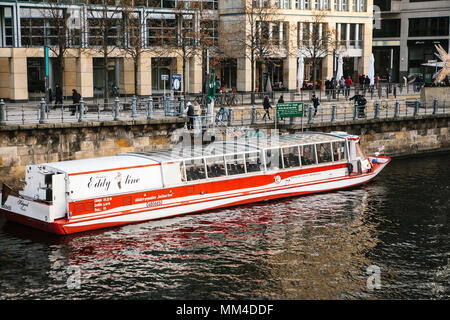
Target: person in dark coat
[(58, 95), (316, 103), (75, 101), (190, 113), (361, 104), (266, 106)]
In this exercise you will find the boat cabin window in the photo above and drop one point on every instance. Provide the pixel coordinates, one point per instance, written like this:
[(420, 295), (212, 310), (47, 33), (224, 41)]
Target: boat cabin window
[(253, 162), (339, 151), (359, 152), (235, 164), (308, 155), (273, 159), (323, 152), (195, 169), (290, 157), (215, 167)]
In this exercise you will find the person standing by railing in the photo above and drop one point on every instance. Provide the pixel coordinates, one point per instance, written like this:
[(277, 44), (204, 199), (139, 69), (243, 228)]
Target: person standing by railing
[(58, 95), (316, 104), (266, 106), (75, 100), (348, 84), (197, 114)]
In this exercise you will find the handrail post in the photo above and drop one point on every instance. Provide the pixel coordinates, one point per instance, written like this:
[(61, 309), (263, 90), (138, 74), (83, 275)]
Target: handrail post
[(230, 115), (80, 116), (333, 113), (133, 107), (2, 112), (310, 114), (377, 110), (116, 108), (396, 109), (435, 105), (149, 107), (42, 111), (355, 110), (181, 107), (253, 118), (416, 107)]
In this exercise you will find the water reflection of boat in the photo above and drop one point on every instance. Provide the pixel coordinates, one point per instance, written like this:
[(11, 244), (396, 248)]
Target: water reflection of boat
[(79, 195)]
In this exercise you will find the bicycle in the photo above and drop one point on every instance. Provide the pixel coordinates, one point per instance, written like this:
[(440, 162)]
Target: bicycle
[(232, 99)]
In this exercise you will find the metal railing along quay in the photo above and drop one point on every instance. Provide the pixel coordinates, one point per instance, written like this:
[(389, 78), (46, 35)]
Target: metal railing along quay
[(145, 108)]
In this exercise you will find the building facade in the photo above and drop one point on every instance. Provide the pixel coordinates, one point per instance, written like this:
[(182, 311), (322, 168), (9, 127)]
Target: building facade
[(405, 35), (90, 33)]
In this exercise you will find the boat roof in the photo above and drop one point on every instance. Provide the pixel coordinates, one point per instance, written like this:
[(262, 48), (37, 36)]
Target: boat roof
[(237, 146), (99, 164), (219, 148)]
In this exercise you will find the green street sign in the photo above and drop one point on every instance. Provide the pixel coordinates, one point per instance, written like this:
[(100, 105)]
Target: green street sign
[(291, 109)]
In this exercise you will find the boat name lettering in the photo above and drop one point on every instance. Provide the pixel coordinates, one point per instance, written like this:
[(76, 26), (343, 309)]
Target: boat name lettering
[(6, 207), (99, 182), (22, 204), (154, 203)]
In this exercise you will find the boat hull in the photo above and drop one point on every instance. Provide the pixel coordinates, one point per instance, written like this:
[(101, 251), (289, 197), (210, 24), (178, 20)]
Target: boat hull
[(285, 186)]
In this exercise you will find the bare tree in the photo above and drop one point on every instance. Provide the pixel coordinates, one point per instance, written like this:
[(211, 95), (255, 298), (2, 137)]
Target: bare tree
[(255, 37), (105, 30), (316, 39), (192, 36), (64, 33)]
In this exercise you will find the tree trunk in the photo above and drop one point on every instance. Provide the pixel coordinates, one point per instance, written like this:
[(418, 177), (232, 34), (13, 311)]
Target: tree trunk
[(106, 73), (136, 59)]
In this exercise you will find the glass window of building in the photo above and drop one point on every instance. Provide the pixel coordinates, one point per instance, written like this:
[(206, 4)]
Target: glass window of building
[(388, 28), (436, 26), (303, 4)]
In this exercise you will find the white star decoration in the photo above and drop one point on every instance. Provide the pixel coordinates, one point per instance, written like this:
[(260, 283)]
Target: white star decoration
[(445, 64)]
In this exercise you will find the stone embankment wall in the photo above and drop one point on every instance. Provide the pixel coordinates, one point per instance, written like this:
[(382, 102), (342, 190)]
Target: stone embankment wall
[(400, 137), (29, 144)]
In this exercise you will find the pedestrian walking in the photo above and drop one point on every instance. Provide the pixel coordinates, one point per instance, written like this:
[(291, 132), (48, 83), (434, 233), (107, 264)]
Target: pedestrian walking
[(267, 107), (348, 84), (316, 104), (190, 114), (58, 95), (76, 97), (197, 115), (341, 85)]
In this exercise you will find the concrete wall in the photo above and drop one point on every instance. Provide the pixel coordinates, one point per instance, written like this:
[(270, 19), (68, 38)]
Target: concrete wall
[(30, 144)]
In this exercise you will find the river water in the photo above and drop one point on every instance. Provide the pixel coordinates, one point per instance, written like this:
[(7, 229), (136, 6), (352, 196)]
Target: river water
[(388, 239)]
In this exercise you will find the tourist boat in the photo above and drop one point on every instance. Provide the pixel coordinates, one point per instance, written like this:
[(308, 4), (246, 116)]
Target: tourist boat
[(78, 195)]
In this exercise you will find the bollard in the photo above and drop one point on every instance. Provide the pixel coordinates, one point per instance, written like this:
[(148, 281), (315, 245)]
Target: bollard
[(167, 105), (396, 109), (435, 105), (149, 107), (416, 107), (2, 112), (42, 111), (377, 110), (133, 107), (310, 114), (116, 109), (253, 119), (80, 116), (333, 113), (355, 111), (230, 115), (181, 107)]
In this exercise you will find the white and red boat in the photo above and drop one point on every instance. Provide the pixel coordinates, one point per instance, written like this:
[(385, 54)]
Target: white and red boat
[(78, 195)]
